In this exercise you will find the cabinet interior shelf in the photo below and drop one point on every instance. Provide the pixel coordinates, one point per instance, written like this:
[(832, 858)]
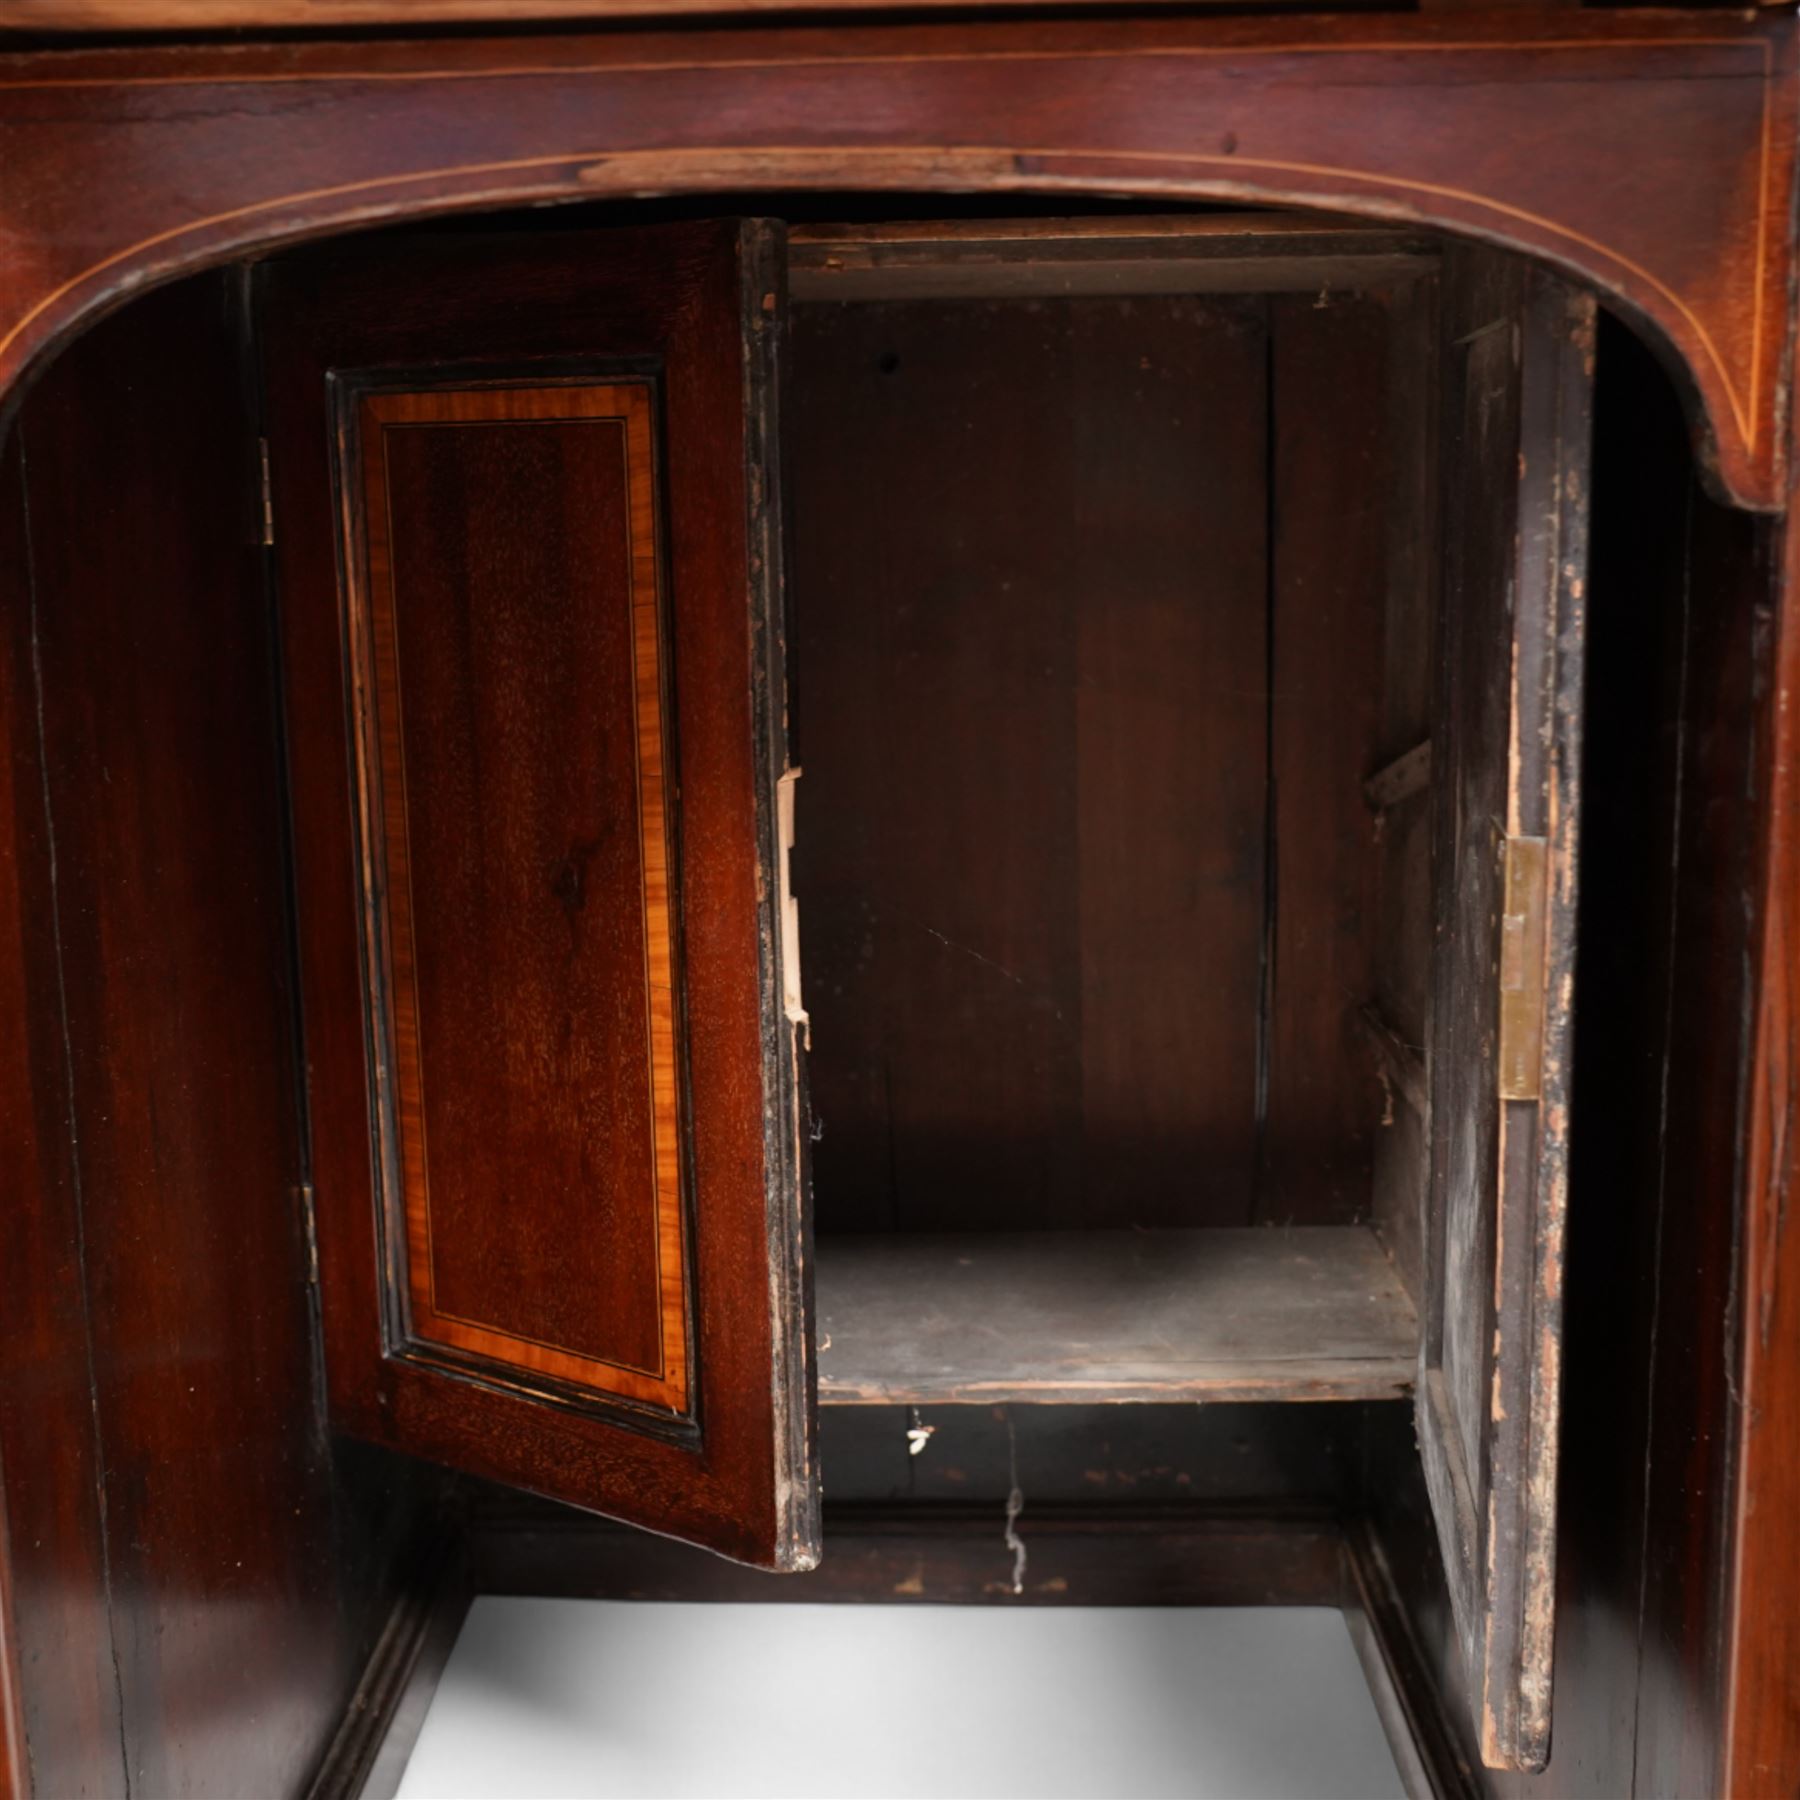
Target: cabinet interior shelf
[(1315, 1313)]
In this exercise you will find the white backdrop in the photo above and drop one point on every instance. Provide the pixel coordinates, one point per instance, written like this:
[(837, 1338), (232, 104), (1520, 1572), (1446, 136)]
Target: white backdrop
[(594, 1700)]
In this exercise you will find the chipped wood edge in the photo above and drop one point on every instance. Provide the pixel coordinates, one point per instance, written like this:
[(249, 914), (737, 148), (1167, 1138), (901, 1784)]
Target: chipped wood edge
[(762, 254), (1399, 780), (1372, 1378), (1499, 1543), (1527, 1380), (1399, 1063)]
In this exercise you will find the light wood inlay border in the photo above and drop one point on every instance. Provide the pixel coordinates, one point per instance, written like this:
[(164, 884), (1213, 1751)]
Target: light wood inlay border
[(626, 406)]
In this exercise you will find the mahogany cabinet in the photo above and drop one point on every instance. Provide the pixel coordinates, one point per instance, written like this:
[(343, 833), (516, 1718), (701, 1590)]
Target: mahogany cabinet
[(998, 898)]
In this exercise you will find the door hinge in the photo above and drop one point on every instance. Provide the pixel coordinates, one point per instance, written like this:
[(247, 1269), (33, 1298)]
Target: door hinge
[(268, 492), (310, 1227), (1523, 929)]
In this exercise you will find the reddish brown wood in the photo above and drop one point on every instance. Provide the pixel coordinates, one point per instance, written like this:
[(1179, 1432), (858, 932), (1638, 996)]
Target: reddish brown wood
[(1135, 1002), (1168, 552), (15, 1767), (194, 1573), (505, 630), (1030, 600), (1329, 578), (1651, 155), (731, 1469), (1761, 1753), (58, 1629), (272, 15), (1720, 571), (1118, 255), (943, 986)]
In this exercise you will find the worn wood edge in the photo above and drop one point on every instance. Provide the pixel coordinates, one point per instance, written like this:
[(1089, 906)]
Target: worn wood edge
[(820, 243), (1238, 252), (762, 294), (932, 1555), (1455, 1522), (1408, 1701), (1288, 272), (1398, 1062), (921, 1319), (1453, 1514), (368, 1753), (1399, 780), (1525, 1409), (1373, 1378)]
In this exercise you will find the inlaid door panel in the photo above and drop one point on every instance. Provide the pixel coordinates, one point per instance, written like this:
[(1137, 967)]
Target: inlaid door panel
[(510, 737), (523, 507)]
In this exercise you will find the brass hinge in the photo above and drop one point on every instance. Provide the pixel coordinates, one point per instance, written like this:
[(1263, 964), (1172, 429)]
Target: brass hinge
[(1522, 938), (268, 493)]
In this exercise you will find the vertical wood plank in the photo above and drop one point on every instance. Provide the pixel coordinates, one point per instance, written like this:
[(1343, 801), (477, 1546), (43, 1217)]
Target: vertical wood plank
[(1760, 1757), (1479, 445), (232, 1644), (929, 467), (1332, 473), (1168, 551), (1030, 580), (63, 1686), (1404, 926)]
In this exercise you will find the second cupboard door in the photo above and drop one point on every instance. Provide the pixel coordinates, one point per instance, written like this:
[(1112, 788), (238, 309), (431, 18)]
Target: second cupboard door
[(1514, 442), (524, 519)]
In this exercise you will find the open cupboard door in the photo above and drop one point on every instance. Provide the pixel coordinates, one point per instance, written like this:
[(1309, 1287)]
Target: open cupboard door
[(1517, 374), (525, 525)]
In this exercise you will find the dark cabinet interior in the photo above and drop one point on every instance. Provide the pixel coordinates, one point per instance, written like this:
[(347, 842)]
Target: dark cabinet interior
[(1177, 624), (1091, 603), (1190, 691)]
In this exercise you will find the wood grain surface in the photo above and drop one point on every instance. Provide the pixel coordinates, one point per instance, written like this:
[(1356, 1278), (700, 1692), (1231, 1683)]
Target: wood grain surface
[(1761, 1753), (504, 617), (195, 1568), (699, 306), (1090, 637), (1310, 1314), (1650, 154), (193, 16), (1335, 445), (1029, 588)]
